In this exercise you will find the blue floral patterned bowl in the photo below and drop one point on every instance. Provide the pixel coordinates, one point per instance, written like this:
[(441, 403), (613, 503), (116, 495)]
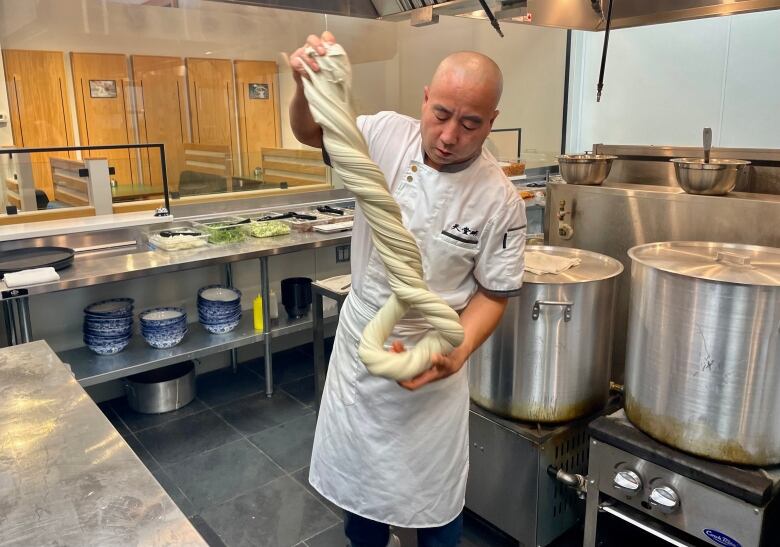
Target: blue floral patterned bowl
[(162, 317), (109, 349), (219, 308), (113, 307), (107, 323), (218, 295), (108, 333), (165, 341), (106, 346), (221, 328), (219, 317)]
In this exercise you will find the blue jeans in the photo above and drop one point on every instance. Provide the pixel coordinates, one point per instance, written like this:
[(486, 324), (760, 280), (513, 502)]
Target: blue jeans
[(363, 532)]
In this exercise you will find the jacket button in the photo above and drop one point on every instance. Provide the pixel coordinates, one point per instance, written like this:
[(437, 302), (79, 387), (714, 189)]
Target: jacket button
[(410, 178), (414, 168)]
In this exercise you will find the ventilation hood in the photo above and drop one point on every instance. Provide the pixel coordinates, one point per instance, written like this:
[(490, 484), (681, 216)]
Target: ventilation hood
[(570, 14)]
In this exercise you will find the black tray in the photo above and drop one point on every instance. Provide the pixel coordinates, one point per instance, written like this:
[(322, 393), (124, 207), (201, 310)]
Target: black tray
[(35, 257)]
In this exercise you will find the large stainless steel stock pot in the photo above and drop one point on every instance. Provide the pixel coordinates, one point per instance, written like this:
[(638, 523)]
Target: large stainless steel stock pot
[(703, 357), (549, 358)]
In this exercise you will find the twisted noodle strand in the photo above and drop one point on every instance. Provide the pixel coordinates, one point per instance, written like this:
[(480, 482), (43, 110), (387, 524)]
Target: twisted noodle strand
[(329, 94)]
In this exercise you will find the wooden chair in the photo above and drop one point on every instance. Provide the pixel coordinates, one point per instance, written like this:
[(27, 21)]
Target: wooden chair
[(70, 180), (207, 169), (12, 193), (295, 167), (18, 185)]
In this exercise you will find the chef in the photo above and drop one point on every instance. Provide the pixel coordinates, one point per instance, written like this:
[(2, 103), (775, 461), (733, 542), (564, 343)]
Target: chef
[(396, 454)]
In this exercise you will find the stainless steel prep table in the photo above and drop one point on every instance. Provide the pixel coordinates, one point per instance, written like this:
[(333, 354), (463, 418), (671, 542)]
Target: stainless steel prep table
[(68, 477), (97, 269), (86, 271)]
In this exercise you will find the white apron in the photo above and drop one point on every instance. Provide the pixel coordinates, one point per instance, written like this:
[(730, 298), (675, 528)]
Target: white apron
[(381, 451)]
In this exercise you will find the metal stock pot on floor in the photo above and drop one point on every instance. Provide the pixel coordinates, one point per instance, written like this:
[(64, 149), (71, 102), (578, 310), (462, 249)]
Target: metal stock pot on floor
[(549, 359), (703, 357)]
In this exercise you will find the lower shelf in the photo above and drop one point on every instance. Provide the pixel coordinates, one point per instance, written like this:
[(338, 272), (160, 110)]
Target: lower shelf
[(91, 369)]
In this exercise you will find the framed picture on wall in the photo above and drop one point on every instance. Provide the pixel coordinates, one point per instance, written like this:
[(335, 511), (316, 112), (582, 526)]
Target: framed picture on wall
[(102, 89), (258, 91)]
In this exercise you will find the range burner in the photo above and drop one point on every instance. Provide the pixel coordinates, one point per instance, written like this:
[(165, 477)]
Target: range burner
[(684, 500)]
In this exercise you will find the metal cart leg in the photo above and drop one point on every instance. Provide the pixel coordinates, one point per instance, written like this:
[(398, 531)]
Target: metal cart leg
[(10, 322), (265, 290), (318, 335), (229, 283), (591, 503), (23, 306)]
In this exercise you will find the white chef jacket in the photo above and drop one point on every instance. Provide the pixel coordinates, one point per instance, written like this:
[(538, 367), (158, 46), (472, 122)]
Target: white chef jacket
[(380, 451)]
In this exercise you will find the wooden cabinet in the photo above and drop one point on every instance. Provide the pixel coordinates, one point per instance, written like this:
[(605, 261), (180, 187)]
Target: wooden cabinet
[(101, 84), (161, 99), (258, 116), (231, 105), (39, 107), (212, 105)]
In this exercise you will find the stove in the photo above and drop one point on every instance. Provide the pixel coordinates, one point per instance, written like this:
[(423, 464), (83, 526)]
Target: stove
[(510, 484), (682, 499)]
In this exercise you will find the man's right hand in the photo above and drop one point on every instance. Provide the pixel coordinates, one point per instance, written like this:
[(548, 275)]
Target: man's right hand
[(302, 123), (299, 57)]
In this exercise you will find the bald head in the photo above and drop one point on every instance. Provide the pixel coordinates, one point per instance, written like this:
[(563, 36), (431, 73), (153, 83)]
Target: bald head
[(459, 108), (469, 68)]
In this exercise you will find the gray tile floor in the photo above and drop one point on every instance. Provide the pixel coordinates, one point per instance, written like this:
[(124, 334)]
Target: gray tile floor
[(236, 462)]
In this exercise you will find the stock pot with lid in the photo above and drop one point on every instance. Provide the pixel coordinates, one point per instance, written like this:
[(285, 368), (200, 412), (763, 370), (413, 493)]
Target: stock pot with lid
[(549, 358), (703, 356)]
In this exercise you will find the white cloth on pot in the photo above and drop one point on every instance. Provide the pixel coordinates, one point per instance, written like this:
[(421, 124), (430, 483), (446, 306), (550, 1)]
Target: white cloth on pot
[(540, 263)]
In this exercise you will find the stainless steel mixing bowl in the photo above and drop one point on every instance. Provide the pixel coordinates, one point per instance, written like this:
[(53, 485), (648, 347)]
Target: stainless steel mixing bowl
[(716, 178), (589, 169)]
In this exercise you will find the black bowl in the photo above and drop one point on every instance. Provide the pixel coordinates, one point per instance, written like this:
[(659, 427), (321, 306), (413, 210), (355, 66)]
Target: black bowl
[(296, 296)]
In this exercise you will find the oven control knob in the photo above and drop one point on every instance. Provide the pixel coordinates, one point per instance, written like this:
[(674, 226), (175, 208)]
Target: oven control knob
[(665, 499), (628, 481)]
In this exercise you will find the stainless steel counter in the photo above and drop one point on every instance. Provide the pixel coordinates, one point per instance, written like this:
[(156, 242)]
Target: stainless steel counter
[(99, 268), (66, 476)]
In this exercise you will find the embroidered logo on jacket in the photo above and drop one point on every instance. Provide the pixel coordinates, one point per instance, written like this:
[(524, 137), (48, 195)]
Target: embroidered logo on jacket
[(462, 233), (465, 230)]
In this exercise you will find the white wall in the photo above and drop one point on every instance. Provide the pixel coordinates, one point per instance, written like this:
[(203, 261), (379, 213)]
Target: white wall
[(664, 83), (532, 60)]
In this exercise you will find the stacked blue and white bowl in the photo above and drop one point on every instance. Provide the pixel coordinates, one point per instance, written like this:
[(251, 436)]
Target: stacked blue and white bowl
[(163, 328), (219, 308), (108, 325)]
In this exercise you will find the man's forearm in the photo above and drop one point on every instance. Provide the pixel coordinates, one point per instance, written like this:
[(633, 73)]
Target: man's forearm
[(303, 126), (480, 318)]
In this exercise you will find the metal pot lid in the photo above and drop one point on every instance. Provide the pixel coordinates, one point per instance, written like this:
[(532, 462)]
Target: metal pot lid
[(721, 262), (592, 266)]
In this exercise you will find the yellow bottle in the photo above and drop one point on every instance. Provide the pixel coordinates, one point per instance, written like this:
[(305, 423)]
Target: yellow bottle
[(257, 307)]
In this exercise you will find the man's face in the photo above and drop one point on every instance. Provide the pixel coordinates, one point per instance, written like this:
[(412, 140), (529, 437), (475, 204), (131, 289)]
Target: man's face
[(457, 117)]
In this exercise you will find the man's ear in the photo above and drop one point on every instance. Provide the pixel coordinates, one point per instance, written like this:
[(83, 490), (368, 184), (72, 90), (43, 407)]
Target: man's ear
[(493, 118), (426, 92)]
